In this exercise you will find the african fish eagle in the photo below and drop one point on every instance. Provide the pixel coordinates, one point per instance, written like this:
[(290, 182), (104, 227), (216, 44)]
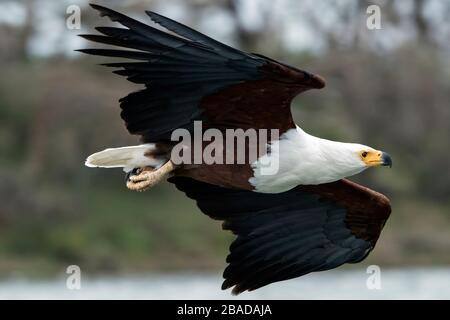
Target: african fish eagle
[(307, 217)]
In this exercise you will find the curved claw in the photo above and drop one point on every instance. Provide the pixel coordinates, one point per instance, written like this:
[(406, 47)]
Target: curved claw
[(148, 177), (131, 173)]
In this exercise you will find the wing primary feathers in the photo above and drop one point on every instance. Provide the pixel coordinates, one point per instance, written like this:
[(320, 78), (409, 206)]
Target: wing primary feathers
[(120, 43), (127, 54), (290, 234), (147, 31), (189, 64), (194, 35), (139, 27)]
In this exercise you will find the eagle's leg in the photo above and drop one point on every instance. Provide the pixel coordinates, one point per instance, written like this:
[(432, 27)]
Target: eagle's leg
[(145, 178)]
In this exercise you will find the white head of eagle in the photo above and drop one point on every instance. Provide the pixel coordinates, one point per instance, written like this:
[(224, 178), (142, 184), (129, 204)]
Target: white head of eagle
[(308, 160)]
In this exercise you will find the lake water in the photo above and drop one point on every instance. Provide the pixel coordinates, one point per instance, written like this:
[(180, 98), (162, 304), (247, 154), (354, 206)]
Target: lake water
[(395, 284)]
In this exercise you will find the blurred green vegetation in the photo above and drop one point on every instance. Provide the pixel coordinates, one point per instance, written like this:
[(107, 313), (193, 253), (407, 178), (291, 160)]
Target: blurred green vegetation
[(111, 232), (55, 111)]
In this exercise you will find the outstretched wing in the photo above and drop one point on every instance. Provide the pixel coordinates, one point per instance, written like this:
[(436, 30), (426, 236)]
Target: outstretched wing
[(287, 235), (189, 76)]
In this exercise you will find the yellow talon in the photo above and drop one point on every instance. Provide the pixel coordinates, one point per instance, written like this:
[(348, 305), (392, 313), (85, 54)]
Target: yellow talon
[(148, 177)]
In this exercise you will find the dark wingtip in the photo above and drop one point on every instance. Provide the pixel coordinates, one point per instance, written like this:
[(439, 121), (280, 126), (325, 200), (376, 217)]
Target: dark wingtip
[(155, 16), (319, 81), (237, 290), (96, 6), (226, 285), (151, 14), (85, 36), (87, 51), (104, 11), (102, 29)]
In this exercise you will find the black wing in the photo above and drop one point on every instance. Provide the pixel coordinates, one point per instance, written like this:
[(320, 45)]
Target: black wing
[(287, 235), (193, 77)]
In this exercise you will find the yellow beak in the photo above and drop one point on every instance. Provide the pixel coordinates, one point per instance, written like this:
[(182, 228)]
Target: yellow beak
[(378, 158)]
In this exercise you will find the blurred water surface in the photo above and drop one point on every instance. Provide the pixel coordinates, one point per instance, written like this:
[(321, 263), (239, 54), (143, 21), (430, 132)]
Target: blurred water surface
[(427, 283)]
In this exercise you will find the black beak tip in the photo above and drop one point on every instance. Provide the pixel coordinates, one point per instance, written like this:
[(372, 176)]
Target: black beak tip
[(387, 160)]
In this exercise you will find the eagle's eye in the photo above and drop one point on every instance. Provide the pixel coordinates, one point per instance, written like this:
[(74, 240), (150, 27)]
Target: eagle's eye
[(364, 154)]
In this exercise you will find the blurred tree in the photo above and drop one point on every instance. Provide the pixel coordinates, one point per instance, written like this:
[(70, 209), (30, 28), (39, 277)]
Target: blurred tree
[(27, 30), (421, 22)]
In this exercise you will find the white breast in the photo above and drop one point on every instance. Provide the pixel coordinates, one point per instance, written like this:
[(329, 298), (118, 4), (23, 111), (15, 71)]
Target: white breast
[(298, 158)]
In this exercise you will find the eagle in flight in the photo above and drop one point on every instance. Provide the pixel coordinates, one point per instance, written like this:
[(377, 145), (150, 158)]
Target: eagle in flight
[(303, 218)]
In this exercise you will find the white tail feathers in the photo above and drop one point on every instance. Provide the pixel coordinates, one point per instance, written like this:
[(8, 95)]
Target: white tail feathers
[(127, 157)]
